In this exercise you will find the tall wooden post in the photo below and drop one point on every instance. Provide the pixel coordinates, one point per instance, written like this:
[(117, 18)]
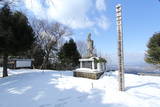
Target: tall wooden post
[(120, 47)]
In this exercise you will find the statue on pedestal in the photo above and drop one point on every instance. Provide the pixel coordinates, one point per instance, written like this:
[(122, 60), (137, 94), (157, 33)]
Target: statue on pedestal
[(92, 66), (90, 46)]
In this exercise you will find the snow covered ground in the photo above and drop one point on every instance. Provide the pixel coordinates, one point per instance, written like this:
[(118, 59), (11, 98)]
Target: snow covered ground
[(34, 88)]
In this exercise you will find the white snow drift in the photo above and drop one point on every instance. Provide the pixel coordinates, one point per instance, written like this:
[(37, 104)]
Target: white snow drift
[(36, 88)]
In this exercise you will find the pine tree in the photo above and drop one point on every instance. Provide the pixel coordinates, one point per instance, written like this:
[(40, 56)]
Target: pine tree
[(153, 53), (69, 55), (16, 35)]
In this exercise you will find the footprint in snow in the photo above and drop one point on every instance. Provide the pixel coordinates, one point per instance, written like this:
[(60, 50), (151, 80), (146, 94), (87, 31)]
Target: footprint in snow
[(64, 99), (45, 105), (60, 104), (81, 98)]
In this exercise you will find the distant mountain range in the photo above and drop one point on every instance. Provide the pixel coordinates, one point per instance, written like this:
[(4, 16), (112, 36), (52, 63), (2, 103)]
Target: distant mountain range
[(135, 69)]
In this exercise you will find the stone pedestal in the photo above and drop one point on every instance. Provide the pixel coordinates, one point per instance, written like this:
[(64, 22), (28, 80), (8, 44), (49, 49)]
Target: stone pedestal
[(94, 75)]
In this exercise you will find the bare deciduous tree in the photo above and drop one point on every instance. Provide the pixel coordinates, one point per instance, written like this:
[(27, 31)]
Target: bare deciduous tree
[(10, 2), (48, 36), (82, 48)]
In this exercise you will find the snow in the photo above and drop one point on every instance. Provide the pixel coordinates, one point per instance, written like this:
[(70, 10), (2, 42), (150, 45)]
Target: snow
[(86, 70), (48, 88)]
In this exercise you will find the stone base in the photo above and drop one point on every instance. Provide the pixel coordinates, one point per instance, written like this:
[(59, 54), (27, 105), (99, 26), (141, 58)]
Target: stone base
[(94, 75)]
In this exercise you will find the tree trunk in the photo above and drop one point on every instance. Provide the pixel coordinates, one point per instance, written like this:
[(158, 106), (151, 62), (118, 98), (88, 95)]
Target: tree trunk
[(45, 62), (5, 64)]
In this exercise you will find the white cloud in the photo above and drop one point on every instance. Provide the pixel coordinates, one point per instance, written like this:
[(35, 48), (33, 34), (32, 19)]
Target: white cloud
[(71, 12), (100, 5), (103, 22), (35, 7), (76, 14)]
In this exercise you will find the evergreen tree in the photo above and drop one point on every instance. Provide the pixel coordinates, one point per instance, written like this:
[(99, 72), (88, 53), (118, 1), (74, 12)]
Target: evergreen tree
[(16, 35), (153, 53), (69, 55)]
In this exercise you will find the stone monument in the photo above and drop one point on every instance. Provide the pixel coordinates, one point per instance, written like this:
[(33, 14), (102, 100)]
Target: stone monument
[(90, 67), (90, 46)]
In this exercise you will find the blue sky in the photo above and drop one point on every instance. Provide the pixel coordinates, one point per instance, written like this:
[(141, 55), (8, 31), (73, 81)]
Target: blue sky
[(141, 19)]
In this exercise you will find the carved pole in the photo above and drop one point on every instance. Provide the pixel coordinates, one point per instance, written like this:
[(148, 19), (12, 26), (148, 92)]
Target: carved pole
[(120, 47)]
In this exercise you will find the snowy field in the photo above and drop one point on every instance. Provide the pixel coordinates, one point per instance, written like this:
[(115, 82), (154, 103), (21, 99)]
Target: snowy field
[(34, 88)]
